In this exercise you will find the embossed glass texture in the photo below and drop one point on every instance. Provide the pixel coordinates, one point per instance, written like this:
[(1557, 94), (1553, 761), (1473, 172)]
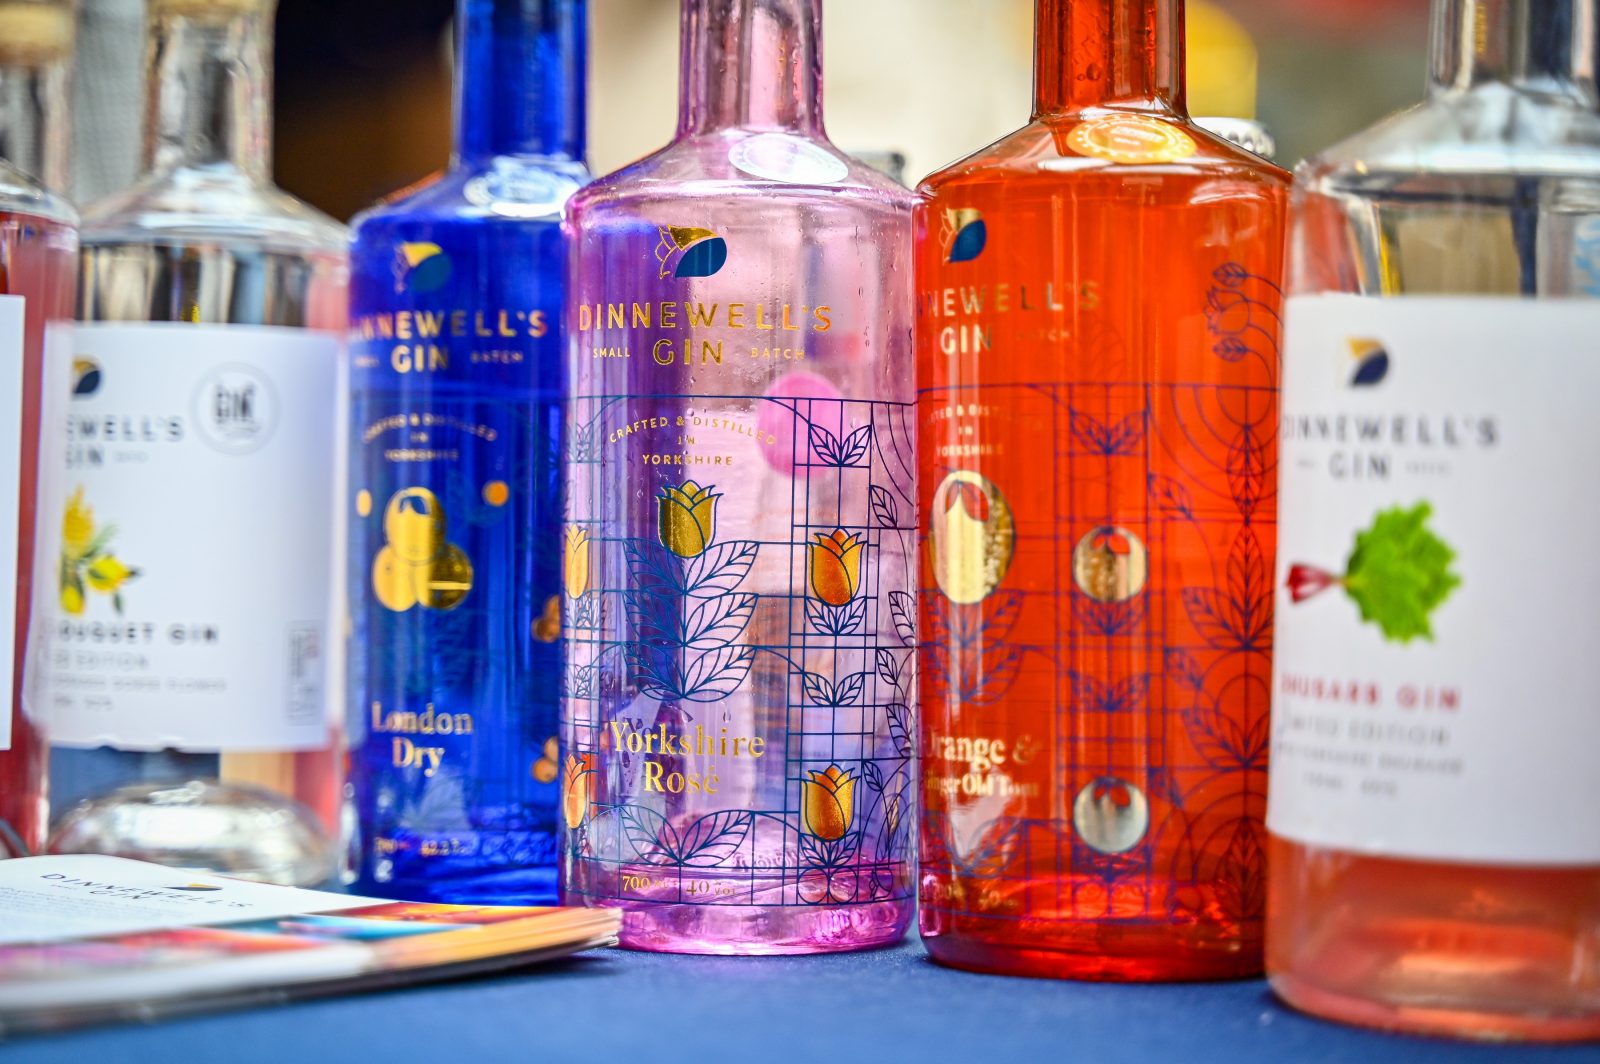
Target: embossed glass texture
[(1097, 314), (740, 561), (1490, 187), (456, 564), (204, 237), (38, 261)]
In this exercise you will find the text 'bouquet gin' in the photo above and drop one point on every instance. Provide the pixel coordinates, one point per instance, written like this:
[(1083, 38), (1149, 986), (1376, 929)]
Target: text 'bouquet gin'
[(38, 244), (741, 536), (454, 499), (1435, 858), (187, 660), (1097, 300)]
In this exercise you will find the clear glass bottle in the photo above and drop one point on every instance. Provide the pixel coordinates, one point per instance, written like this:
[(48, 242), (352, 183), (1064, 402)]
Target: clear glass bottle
[(38, 274), (740, 559), (191, 694), (456, 300), (1097, 299), (1435, 859)]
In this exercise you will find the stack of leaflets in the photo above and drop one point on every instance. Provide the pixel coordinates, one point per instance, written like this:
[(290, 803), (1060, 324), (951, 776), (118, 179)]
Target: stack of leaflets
[(88, 939)]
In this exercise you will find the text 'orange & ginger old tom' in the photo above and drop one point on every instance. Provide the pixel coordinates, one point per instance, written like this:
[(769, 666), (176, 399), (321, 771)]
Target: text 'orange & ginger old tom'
[(1098, 299)]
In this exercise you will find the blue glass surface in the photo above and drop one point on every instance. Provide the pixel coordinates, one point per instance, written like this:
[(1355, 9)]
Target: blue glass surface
[(455, 504)]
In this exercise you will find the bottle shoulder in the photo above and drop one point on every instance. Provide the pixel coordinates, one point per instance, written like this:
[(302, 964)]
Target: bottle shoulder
[(1051, 153), (504, 189), (213, 205), (21, 194), (744, 166), (1491, 129)]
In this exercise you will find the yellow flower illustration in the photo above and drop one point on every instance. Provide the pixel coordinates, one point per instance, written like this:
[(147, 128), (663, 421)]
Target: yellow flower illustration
[(577, 566), (77, 527), (836, 566), (828, 803), (87, 563), (688, 519), (577, 789), (108, 574)]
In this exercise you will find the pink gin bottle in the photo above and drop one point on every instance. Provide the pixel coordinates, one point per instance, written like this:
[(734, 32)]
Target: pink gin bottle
[(38, 280), (740, 542)]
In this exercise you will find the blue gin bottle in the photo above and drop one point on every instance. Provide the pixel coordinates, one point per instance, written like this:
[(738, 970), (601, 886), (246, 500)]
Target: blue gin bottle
[(454, 508)]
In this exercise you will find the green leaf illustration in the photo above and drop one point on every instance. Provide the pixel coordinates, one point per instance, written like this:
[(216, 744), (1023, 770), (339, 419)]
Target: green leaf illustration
[(1399, 573)]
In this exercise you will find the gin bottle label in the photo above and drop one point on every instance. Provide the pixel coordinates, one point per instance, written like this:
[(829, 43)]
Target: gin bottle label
[(739, 578), (1438, 586), (455, 551), (189, 545)]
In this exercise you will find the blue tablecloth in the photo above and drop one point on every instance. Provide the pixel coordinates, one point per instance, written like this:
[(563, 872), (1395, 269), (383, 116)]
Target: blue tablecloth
[(613, 1007)]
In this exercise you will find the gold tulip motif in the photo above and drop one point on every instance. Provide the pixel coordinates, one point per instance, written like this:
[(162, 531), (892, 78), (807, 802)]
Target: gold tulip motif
[(971, 536), (577, 789), (688, 519), (828, 803), (836, 566), (577, 562)]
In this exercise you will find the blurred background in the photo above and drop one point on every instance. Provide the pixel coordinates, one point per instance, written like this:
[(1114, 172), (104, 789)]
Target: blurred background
[(363, 86)]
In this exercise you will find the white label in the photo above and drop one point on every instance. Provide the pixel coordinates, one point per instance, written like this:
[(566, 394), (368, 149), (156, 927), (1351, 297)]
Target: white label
[(192, 551), (1437, 657), (11, 354)]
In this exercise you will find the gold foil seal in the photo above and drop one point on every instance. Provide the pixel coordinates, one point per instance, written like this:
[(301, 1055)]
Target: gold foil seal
[(35, 33), (1131, 139)]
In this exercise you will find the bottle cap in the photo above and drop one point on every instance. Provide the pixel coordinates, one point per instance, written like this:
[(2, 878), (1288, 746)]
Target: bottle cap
[(35, 33)]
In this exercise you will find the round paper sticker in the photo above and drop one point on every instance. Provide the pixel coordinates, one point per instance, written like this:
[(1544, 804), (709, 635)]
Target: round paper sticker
[(780, 157), (1131, 139)]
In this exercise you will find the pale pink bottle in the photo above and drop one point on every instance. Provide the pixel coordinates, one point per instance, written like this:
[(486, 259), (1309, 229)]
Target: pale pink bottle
[(740, 545), (38, 249)]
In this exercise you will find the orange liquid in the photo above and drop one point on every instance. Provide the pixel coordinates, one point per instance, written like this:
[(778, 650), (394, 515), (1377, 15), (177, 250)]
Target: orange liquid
[(1467, 950), (1099, 466)]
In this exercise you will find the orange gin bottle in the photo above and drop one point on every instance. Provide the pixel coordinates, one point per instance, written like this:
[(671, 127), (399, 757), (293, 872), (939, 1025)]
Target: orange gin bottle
[(1098, 298)]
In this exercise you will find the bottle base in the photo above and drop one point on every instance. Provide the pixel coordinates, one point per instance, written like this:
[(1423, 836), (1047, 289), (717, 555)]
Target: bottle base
[(1156, 963), (768, 930), (241, 831), (1432, 1019), (518, 886)]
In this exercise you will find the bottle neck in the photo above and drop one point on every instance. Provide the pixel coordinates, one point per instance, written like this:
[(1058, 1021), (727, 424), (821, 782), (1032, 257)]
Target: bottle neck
[(519, 78), (35, 79), (208, 88), (751, 64), (33, 129), (1126, 54), (1545, 45)]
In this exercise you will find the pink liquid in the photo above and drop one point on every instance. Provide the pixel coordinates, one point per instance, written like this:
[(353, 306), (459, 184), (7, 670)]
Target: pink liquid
[(38, 263)]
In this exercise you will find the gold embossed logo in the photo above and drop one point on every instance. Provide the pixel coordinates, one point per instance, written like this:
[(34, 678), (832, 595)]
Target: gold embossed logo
[(1131, 139), (418, 566), (1109, 564), (971, 536)]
